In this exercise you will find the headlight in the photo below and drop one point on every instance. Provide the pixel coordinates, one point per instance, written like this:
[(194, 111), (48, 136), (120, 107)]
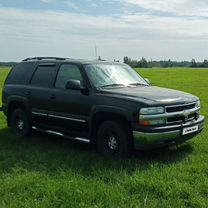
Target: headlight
[(198, 104), (152, 110)]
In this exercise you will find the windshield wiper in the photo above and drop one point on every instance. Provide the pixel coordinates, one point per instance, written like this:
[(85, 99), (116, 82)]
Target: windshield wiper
[(113, 85), (138, 84)]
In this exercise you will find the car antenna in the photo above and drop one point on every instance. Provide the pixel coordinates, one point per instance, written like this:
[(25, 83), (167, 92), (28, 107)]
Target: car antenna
[(96, 55)]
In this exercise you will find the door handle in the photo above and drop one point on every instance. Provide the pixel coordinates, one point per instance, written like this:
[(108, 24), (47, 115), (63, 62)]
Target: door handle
[(53, 97)]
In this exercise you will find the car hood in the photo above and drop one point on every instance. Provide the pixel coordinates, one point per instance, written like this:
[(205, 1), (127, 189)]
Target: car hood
[(152, 95)]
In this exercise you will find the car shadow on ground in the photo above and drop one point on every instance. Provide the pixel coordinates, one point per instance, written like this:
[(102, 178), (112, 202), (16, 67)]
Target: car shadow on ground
[(43, 152)]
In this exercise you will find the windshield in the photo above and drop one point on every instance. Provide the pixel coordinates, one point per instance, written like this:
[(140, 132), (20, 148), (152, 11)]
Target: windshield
[(104, 75)]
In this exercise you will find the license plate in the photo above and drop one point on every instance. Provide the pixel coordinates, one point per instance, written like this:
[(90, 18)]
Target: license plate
[(190, 130)]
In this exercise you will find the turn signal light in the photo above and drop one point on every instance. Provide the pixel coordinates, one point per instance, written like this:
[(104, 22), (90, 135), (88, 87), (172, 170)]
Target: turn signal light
[(144, 123), (152, 122)]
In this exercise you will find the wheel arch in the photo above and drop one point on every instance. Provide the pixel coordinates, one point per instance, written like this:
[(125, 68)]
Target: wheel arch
[(99, 115), (15, 103)]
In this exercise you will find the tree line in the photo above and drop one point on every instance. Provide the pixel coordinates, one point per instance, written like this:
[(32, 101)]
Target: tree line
[(7, 64), (143, 63)]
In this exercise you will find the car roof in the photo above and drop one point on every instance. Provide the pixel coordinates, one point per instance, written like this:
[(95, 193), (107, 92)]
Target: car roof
[(67, 60)]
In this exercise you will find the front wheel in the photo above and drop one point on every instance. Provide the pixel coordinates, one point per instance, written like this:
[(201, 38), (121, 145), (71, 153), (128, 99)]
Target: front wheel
[(20, 123), (113, 140)]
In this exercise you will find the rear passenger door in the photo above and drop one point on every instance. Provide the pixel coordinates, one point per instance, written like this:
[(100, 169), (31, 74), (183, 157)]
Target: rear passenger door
[(69, 108), (38, 91)]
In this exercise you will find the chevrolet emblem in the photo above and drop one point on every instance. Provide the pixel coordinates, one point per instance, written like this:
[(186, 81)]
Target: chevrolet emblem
[(186, 116)]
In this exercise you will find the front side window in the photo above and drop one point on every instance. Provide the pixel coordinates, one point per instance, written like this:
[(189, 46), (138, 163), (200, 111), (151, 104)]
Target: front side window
[(43, 76), (67, 72), (104, 75)]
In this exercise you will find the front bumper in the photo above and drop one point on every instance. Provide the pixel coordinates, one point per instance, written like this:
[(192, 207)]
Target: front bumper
[(152, 137)]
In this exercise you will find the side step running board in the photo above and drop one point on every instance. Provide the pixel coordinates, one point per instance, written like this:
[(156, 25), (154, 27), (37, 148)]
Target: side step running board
[(61, 134)]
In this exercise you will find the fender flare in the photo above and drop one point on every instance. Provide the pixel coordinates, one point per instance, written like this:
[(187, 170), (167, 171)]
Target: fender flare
[(108, 109), (23, 101)]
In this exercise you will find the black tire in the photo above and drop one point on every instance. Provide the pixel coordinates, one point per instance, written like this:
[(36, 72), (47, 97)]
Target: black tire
[(20, 124), (114, 140)]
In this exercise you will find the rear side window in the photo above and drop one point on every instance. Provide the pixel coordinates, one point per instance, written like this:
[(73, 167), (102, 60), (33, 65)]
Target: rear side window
[(67, 72), (20, 74), (43, 76)]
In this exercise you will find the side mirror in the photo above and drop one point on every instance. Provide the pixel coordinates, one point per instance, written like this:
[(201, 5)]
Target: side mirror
[(73, 85), (76, 85), (147, 80)]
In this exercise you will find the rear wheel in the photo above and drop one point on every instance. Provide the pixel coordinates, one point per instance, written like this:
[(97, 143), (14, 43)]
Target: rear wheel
[(20, 123), (113, 140)]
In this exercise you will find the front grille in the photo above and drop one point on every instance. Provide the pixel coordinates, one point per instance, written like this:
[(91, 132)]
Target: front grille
[(177, 114), (180, 108), (175, 119), (186, 113)]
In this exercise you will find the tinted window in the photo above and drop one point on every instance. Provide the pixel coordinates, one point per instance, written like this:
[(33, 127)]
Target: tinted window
[(67, 72), (20, 74), (43, 76)]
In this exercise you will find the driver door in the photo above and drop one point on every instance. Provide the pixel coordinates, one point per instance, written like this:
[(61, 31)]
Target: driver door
[(69, 109)]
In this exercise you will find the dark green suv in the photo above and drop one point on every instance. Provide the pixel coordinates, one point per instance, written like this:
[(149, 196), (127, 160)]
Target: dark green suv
[(106, 104)]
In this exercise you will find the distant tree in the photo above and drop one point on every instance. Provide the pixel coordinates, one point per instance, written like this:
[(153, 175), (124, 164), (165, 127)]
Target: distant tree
[(164, 64), (170, 64), (143, 63), (193, 63), (126, 59), (139, 64), (150, 63), (205, 63), (8, 64), (130, 62)]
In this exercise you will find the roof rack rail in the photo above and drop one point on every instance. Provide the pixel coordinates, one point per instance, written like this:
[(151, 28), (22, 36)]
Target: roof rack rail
[(44, 58)]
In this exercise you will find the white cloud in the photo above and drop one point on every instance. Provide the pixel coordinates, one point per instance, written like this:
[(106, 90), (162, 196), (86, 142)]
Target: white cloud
[(177, 7), (46, 1), (71, 4), (159, 5), (56, 33)]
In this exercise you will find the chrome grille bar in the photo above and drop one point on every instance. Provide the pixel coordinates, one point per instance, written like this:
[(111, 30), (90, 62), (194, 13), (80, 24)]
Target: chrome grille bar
[(169, 115), (177, 115)]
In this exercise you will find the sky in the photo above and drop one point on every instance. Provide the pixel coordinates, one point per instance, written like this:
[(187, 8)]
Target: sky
[(154, 29)]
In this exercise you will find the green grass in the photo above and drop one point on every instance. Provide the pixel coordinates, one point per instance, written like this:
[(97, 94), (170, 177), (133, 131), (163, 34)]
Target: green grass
[(3, 73), (47, 171)]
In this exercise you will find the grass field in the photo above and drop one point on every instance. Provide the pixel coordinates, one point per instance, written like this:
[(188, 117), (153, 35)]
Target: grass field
[(46, 171)]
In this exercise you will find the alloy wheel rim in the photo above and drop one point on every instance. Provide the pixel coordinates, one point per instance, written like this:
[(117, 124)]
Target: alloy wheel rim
[(112, 143), (20, 125)]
